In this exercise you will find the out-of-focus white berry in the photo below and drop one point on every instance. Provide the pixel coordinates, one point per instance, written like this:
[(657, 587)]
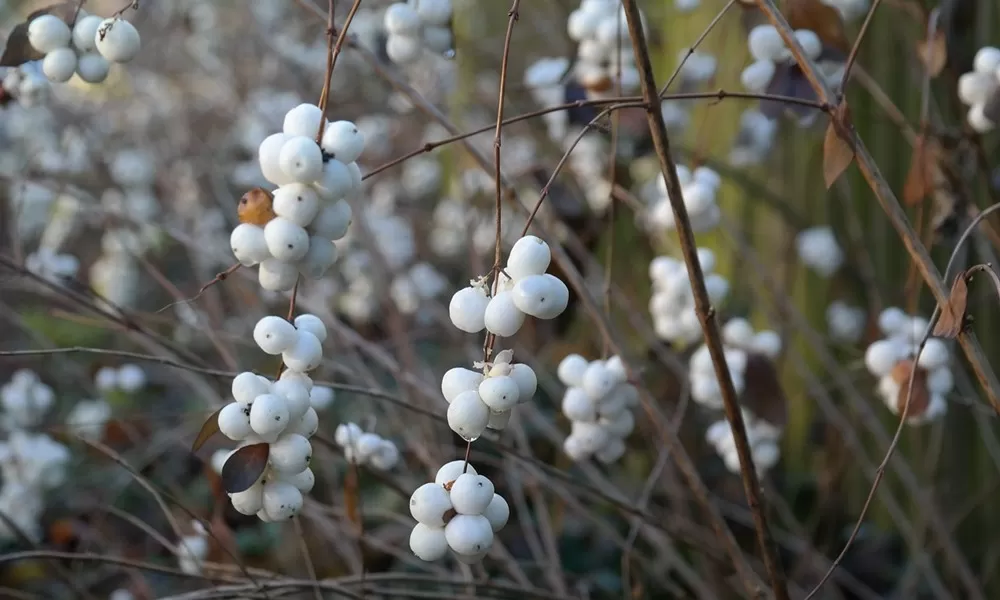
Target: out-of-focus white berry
[(335, 183), (765, 43), (333, 220), (940, 381), (117, 40), (499, 420), (766, 342), (882, 355), (467, 309), (106, 379), (303, 120), (434, 12), (471, 494), (131, 378), (577, 405), (450, 471), (428, 543), (403, 49), (92, 67), (846, 323), (290, 454), (571, 369), (892, 321), (819, 250), (613, 450), (438, 39), (592, 436), (321, 397), (597, 381), (810, 42), (621, 424), (274, 334), (530, 255), (934, 355), (757, 76), (268, 415), (304, 480), (502, 317), (282, 500), (48, 33), (234, 422), (401, 19), (343, 141), (469, 534), (987, 60), (497, 513), (976, 88), (468, 415), (738, 332), (59, 65), (978, 120), (319, 258)]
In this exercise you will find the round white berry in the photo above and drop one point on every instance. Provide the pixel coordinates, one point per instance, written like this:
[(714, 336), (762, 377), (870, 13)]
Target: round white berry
[(892, 320), (438, 39), (766, 342), (131, 378), (497, 512), (304, 480), (385, 456), (940, 381), (357, 179), (333, 220), (450, 471), (934, 355), (92, 67), (303, 120), (248, 244), (810, 42), (499, 420), (429, 503), (299, 378), (611, 404), (620, 425), (234, 422), (268, 415), (336, 181), (467, 309), (571, 369), (312, 324), (527, 381), (277, 275), (882, 355), (286, 241), (976, 88), (106, 379), (499, 393), (403, 49), (296, 202), (290, 454), (765, 43), (502, 317), (305, 354), (343, 141), (319, 258), (428, 543), (592, 436), (268, 154), (401, 19), (738, 332), (47, 33), (59, 65), (301, 159), (321, 397), (120, 40), (471, 494), (250, 501), (458, 380), (364, 446), (282, 500), (247, 386), (306, 425), (85, 34), (987, 60), (597, 381), (469, 534), (296, 397), (434, 12), (578, 406), (530, 255), (541, 296), (468, 415), (611, 451), (347, 434), (274, 334), (758, 75)]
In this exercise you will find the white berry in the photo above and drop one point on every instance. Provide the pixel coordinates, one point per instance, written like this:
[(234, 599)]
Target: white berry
[(92, 67), (401, 19), (59, 65), (290, 454), (247, 386), (250, 501), (502, 316), (286, 241), (301, 159), (468, 415), (527, 381), (450, 471), (296, 202), (268, 415), (529, 256), (497, 512), (274, 334), (458, 380), (305, 354), (312, 324), (571, 369), (277, 275), (336, 181), (429, 503), (499, 393), (471, 494), (296, 396), (47, 33), (85, 34), (428, 543), (234, 422), (467, 309), (303, 120), (268, 154), (282, 500), (469, 534), (120, 41), (541, 296), (343, 141)]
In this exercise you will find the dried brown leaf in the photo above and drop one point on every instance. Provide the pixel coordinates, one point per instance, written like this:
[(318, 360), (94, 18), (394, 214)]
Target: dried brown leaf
[(762, 392), (920, 178), (933, 53), (209, 428), (820, 18), (837, 152), (18, 50), (920, 397), (952, 319), (244, 467)]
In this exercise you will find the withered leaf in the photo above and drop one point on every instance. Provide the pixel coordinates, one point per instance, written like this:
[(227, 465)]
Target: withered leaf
[(920, 397), (933, 53), (244, 467), (18, 50), (821, 18), (762, 393), (837, 152), (952, 319), (920, 178), (209, 428)]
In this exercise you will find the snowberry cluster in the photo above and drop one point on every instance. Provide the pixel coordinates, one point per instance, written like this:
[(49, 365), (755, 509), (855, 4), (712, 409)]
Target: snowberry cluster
[(127, 378), (460, 510), (672, 303), (979, 87), (762, 437), (891, 360), (415, 25), (30, 466), (293, 230), (769, 51), (25, 400), (604, 58), (366, 448), (846, 323), (483, 399), (849, 9), (598, 402), (278, 413), (739, 340), (88, 49), (523, 288), (52, 266), (754, 140), (699, 189), (818, 249)]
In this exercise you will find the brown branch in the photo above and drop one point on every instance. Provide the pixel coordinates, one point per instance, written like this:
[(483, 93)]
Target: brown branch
[(703, 305)]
